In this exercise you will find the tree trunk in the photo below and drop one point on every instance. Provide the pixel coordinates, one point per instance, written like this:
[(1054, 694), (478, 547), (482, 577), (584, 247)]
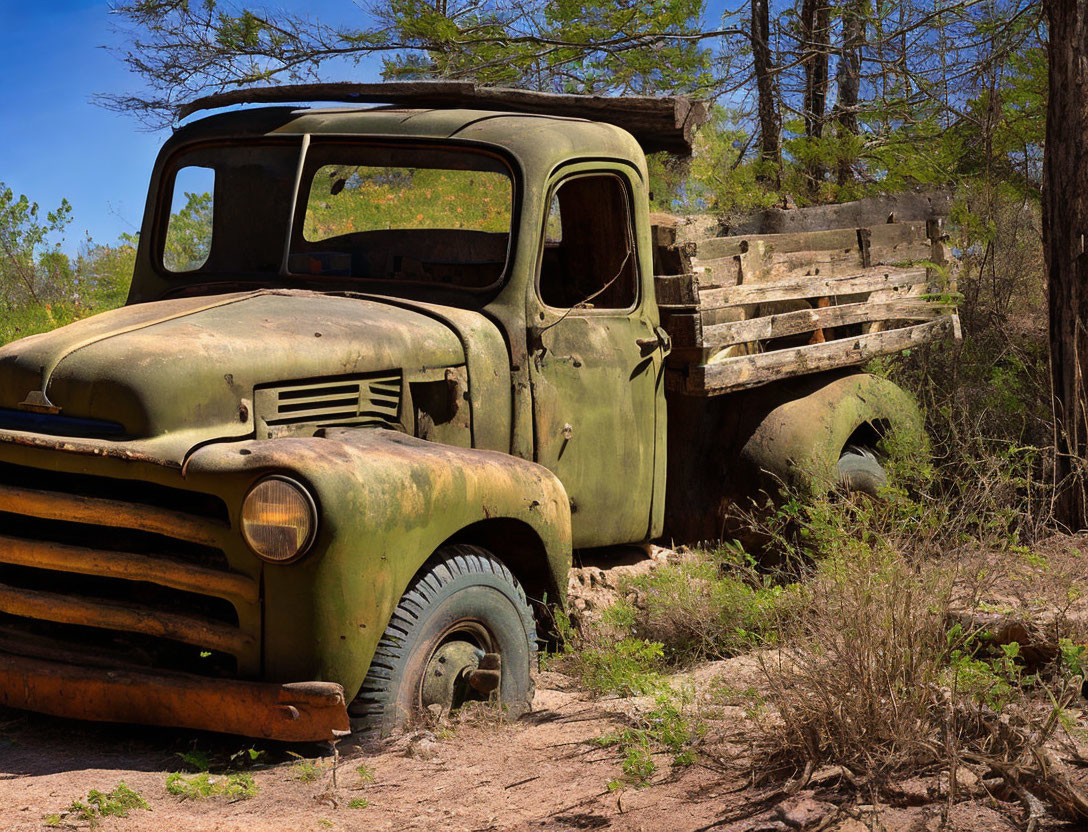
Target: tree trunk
[(768, 111), (849, 78), (815, 23), (1065, 223)]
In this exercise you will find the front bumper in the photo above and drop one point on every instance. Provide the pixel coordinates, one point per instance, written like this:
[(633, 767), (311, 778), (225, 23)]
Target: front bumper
[(295, 712)]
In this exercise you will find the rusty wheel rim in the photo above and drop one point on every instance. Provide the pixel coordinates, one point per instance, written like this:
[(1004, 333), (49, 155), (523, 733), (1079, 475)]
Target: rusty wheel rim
[(456, 654)]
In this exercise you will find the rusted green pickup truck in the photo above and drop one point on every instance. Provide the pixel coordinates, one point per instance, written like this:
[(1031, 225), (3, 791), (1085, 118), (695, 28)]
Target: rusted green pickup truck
[(381, 371)]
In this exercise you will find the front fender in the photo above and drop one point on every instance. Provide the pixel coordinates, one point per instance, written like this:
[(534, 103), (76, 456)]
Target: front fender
[(386, 501)]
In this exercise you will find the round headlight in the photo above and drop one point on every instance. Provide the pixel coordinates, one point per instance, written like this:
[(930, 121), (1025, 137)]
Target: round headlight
[(279, 519)]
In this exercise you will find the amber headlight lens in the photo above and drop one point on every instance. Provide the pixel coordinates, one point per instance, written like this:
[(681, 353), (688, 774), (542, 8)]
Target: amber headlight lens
[(279, 519)]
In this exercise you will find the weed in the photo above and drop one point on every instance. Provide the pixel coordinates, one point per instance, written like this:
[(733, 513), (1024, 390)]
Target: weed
[(628, 667), (196, 760), (666, 728), (1073, 657), (365, 772), (303, 770), (358, 803), (98, 805), (236, 786), (246, 756)]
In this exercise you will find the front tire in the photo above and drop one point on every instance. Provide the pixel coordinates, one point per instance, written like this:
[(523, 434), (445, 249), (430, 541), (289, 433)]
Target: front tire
[(463, 605)]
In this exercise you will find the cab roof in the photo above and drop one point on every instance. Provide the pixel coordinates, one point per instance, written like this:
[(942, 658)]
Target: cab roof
[(537, 141), (656, 123)]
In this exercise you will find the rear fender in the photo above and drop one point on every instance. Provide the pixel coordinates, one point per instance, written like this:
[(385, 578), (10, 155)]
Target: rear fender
[(386, 501), (799, 441)]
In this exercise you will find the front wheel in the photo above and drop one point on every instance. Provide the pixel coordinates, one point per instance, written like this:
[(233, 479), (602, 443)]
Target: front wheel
[(462, 631)]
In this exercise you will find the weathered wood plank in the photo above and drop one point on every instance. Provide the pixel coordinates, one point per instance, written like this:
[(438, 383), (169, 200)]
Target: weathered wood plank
[(658, 123), (835, 238), (677, 291), (684, 328), (810, 287), (713, 248), (754, 370), (808, 320), (899, 242), (721, 271)]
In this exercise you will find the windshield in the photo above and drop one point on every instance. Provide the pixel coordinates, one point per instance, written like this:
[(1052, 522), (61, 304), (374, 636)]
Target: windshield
[(366, 212)]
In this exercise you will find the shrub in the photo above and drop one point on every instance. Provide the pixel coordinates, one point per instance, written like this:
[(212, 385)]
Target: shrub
[(713, 603)]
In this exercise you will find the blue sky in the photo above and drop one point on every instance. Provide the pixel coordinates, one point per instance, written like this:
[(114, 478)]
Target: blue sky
[(55, 144)]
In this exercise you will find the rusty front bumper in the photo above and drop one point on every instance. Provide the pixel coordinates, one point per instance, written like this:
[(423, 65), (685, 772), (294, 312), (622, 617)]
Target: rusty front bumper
[(296, 712)]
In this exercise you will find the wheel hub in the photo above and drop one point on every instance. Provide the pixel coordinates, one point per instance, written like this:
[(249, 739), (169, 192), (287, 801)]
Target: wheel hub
[(446, 680)]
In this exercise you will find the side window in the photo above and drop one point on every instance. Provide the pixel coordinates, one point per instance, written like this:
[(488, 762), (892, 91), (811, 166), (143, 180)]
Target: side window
[(589, 252), (189, 229)]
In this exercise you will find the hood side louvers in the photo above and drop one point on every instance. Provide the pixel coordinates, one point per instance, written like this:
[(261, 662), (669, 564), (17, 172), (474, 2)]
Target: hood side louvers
[(300, 408)]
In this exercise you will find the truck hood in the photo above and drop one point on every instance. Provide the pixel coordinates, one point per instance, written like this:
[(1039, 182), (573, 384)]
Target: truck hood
[(188, 363)]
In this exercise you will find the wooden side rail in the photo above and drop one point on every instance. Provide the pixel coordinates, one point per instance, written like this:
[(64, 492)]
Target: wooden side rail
[(745, 371)]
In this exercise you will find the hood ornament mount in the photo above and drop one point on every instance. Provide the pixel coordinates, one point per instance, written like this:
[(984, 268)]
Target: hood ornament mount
[(38, 402)]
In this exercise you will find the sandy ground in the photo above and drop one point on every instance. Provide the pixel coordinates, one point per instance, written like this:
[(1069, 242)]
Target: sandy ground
[(538, 773), (542, 772)]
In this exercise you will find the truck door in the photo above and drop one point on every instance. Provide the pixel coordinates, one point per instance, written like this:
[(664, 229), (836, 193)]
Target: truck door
[(596, 359)]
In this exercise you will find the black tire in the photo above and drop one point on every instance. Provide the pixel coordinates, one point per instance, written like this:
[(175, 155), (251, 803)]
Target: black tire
[(861, 472), (463, 593)]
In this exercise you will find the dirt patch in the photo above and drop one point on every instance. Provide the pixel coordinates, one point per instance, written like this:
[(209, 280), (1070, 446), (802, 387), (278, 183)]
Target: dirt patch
[(542, 772), (538, 773), (595, 581)]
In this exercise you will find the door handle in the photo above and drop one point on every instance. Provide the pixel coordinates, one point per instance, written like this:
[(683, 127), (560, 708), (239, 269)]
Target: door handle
[(661, 341)]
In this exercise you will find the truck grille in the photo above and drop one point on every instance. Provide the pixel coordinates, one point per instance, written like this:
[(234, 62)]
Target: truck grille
[(115, 571)]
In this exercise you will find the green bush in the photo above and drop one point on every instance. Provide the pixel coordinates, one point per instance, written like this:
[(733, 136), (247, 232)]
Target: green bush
[(713, 603)]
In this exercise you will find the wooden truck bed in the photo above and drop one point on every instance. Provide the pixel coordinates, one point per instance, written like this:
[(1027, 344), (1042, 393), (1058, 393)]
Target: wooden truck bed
[(748, 310)]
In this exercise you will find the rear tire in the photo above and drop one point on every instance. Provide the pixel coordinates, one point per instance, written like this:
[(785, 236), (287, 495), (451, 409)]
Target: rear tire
[(463, 604), (860, 471)]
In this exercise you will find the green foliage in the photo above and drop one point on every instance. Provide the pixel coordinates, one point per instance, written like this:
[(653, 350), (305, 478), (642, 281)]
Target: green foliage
[(1074, 657), (40, 287), (717, 179), (303, 770), (31, 269), (358, 803), (989, 678), (365, 772), (605, 661), (189, 234), (584, 46), (628, 667), (201, 786), (98, 805), (713, 603), (667, 728), (196, 759)]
